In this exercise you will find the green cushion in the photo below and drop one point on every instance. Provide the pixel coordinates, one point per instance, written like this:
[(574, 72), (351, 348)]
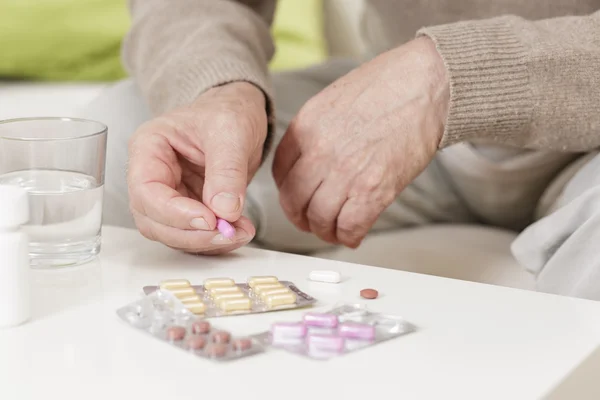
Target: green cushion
[(79, 40), (298, 33)]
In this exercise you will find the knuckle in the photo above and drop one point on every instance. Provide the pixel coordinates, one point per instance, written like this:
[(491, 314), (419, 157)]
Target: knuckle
[(232, 171), (188, 243), (135, 206), (145, 230), (290, 209), (350, 228), (303, 125), (169, 218), (235, 118), (371, 182), (319, 218), (228, 117)]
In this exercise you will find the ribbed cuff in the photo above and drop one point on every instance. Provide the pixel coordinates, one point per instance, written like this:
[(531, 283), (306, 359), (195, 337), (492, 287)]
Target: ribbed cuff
[(490, 96), (194, 77)]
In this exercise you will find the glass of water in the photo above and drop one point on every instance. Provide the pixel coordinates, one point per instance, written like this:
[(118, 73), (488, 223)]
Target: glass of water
[(60, 162)]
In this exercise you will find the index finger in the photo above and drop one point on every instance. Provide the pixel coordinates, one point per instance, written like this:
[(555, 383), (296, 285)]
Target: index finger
[(153, 175)]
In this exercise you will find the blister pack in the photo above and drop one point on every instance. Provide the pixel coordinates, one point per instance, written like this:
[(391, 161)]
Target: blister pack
[(165, 317), (339, 331), (218, 297)]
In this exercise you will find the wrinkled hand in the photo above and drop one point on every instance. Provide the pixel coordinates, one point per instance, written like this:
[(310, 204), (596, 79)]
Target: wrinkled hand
[(192, 165), (353, 147)]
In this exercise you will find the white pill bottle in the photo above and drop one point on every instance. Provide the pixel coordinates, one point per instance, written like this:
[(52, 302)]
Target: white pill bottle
[(15, 302)]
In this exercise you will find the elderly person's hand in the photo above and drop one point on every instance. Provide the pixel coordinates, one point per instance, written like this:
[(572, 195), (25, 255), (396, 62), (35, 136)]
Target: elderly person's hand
[(353, 147), (192, 165)]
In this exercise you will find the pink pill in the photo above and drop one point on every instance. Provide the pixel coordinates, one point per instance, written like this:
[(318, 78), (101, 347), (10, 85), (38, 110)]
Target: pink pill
[(325, 343), (321, 320), (287, 331), (355, 330), (225, 228)]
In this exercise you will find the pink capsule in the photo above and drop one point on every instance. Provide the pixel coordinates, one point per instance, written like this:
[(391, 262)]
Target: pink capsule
[(321, 320), (282, 332), (325, 343), (225, 228), (354, 330)]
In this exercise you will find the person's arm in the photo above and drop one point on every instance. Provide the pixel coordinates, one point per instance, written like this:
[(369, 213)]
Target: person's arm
[(177, 50), (522, 83)]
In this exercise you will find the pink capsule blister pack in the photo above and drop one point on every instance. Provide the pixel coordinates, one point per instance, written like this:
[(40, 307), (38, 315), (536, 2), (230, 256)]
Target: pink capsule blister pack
[(342, 330), (166, 318), (218, 297)]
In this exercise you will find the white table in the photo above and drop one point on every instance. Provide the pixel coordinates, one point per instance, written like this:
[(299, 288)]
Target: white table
[(474, 341)]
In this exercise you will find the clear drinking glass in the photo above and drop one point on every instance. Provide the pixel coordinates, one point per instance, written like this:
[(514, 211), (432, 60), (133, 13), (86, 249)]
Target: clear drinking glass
[(60, 162)]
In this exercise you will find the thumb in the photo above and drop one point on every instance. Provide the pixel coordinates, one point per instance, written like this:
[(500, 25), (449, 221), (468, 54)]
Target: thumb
[(226, 178)]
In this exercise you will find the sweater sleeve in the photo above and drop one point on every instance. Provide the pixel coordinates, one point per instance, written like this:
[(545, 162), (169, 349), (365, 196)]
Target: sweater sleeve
[(175, 50), (522, 83)]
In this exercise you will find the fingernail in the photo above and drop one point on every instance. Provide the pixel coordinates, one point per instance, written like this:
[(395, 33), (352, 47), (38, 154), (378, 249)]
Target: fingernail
[(226, 202), (200, 223), (220, 239), (242, 236)]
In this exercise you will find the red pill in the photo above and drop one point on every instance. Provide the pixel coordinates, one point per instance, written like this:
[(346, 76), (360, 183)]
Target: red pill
[(221, 337), (216, 350), (176, 333), (369, 294), (201, 327), (241, 344), (196, 342)]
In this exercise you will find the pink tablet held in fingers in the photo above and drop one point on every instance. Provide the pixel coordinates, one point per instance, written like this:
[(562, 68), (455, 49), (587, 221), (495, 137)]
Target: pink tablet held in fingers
[(225, 228)]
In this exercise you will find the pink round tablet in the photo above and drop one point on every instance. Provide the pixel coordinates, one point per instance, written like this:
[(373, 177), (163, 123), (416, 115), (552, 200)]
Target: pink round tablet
[(225, 228), (216, 350), (196, 342), (176, 333), (241, 344), (221, 337), (201, 327)]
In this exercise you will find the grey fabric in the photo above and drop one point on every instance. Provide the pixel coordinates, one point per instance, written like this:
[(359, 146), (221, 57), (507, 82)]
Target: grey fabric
[(465, 183), (562, 248)]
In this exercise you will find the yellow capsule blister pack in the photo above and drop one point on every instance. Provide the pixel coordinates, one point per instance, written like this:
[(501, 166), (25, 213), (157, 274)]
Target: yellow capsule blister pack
[(218, 297)]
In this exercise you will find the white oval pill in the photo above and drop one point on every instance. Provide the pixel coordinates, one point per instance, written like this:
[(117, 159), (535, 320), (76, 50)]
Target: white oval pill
[(325, 276)]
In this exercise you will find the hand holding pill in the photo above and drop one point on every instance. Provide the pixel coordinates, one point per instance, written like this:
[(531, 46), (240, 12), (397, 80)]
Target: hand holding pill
[(182, 176)]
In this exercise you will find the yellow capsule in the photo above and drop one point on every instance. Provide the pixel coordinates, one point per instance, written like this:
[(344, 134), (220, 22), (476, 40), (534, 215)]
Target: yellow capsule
[(197, 307), (190, 299), (184, 292), (258, 289), (264, 294), (224, 296), (282, 299), (215, 282), (171, 284), (241, 304), (261, 280), (224, 289)]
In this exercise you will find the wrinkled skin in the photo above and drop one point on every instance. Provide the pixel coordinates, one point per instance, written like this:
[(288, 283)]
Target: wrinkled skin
[(354, 146), (179, 163), (344, 158)]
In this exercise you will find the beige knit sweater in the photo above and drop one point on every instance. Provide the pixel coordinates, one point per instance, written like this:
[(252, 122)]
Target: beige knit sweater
[(522, 72)]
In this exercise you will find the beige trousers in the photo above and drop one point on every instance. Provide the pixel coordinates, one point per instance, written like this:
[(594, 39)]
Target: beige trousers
[(553, 197)]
